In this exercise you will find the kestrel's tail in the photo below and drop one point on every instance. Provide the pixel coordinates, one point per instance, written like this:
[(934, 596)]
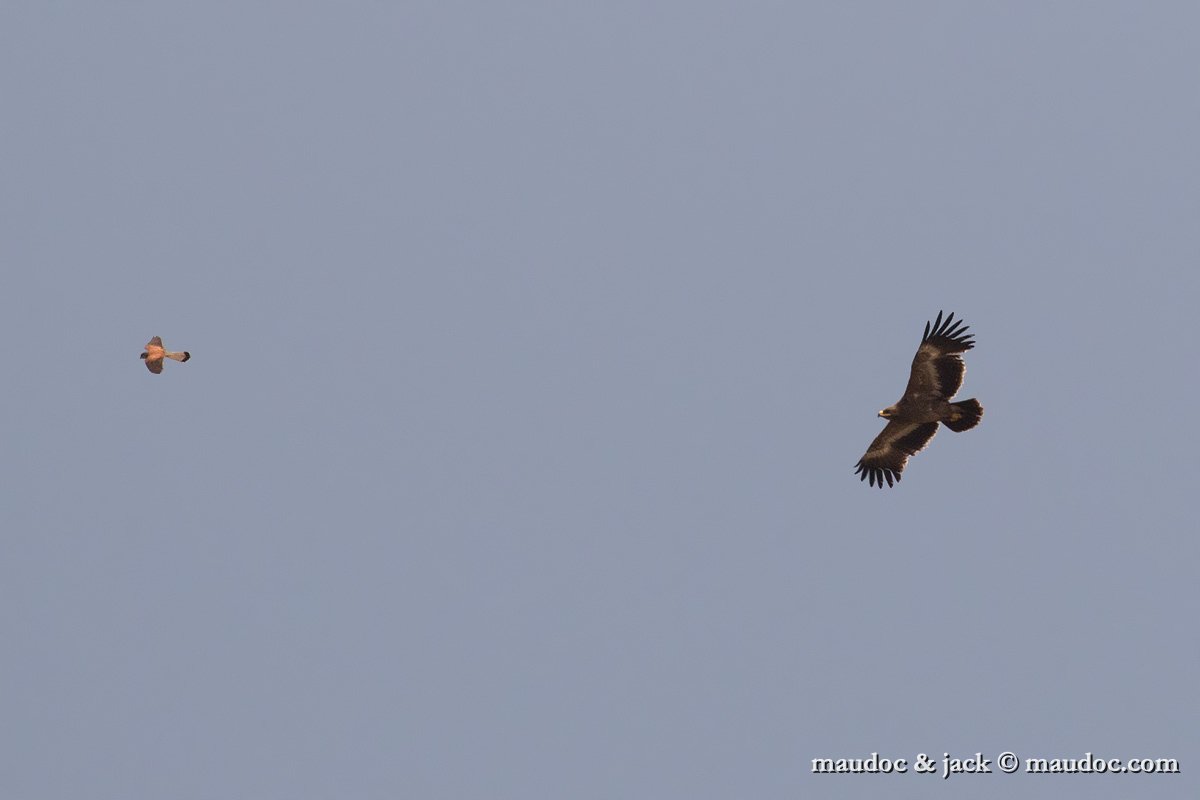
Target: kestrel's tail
[(184, 356)]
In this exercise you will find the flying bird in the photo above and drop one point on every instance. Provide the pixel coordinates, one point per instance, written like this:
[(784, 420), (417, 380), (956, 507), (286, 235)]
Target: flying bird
[(937, 374), (155, 354)]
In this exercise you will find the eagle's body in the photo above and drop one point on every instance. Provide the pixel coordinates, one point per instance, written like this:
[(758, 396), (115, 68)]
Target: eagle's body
[(918, 409), (937, 374)]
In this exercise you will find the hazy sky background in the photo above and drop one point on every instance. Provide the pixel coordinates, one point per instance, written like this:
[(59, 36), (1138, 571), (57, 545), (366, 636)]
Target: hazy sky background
[(533, 347)]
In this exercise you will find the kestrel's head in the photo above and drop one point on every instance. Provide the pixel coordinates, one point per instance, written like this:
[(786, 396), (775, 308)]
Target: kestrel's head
[(143, 355)]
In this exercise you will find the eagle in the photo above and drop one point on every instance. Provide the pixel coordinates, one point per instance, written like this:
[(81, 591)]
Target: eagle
[(937, 374)]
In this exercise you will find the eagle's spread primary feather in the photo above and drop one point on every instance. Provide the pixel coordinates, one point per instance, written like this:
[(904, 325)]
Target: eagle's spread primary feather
[(937, 374)]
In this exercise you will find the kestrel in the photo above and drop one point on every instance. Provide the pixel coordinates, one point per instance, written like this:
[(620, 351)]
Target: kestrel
[(155, 354)]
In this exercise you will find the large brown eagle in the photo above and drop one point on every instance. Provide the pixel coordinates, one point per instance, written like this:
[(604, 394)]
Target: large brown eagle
[(937, 374)]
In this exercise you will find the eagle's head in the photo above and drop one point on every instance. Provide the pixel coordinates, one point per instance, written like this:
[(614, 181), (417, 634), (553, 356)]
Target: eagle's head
[(888, 412)]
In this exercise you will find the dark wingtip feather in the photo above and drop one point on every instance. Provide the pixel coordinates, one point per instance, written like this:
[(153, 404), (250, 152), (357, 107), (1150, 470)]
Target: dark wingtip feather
[(931, 329), (875, 476), (951, 330)]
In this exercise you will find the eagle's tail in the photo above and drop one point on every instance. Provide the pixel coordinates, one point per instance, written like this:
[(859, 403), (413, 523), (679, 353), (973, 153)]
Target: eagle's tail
[(964, 415), (184, 356)]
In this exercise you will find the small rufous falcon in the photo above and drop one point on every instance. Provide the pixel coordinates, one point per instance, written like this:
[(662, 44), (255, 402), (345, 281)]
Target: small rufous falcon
[(155, 354)]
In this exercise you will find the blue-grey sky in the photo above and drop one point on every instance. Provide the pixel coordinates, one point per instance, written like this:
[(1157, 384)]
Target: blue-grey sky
[(533, 347)]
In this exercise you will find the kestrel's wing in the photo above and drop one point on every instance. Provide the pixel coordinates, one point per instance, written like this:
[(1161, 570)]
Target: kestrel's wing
[(156, 341), (154, 366)]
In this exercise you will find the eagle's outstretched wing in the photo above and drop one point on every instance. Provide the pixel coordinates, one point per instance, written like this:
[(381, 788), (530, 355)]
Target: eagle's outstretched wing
[(887, 455), (937, 368)]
